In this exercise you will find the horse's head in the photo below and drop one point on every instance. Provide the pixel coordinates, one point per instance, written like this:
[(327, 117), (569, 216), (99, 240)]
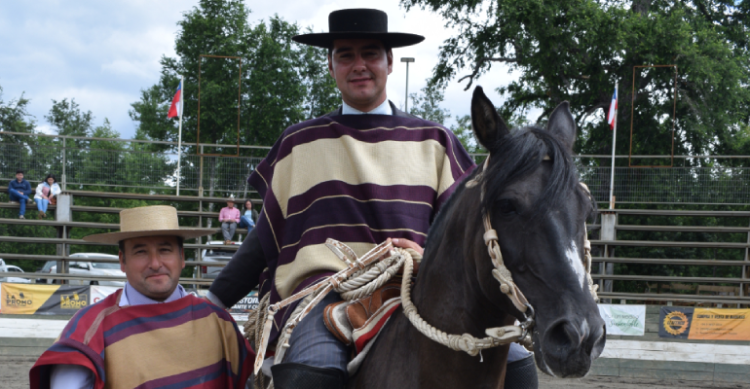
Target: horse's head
[(538, 208)]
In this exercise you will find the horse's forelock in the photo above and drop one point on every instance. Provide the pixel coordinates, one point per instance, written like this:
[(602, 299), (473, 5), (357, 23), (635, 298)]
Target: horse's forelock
[(519, 155)]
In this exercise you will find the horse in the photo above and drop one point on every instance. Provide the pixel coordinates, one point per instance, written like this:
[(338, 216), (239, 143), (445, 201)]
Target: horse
[(531, 193)]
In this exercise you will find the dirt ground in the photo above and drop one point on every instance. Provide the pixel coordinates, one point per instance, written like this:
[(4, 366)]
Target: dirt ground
[(14, 374), (548, 382)]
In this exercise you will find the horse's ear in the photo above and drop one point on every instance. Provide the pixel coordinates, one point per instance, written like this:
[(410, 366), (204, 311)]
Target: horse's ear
[(562, 125), (488, 125)]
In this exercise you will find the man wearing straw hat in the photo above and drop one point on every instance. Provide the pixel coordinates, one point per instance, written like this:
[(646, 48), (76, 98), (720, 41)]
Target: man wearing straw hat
[(151, 333), (361, 174)]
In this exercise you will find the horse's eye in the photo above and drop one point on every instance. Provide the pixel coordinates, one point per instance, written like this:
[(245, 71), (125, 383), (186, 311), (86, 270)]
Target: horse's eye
[(507, 207)]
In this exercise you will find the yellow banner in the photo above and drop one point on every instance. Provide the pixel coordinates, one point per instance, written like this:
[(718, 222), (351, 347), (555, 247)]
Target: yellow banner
[(24, 298), (720, 324)]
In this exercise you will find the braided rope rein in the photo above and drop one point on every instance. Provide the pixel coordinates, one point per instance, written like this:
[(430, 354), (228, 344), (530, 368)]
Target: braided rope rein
[(465, 342)]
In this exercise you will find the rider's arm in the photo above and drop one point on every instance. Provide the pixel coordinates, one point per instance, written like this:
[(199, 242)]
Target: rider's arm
[(240, 275)]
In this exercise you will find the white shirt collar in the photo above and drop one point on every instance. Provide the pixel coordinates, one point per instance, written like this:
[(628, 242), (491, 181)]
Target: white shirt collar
[(130, 296), (382, 109)]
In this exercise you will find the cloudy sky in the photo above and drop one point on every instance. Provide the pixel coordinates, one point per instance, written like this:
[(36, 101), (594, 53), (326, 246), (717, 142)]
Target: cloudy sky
[(103, 53)]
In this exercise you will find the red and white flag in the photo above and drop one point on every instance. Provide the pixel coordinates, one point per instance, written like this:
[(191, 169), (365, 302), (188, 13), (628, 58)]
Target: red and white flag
[(612, 111), (176, 109)]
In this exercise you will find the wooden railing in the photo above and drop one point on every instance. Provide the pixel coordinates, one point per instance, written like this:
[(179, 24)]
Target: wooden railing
[(650, 287)]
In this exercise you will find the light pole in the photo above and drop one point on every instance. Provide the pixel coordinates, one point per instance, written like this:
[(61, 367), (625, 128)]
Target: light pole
[(406, 102)]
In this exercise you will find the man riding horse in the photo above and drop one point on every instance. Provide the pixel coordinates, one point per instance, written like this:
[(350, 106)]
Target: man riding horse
[(361, 174)]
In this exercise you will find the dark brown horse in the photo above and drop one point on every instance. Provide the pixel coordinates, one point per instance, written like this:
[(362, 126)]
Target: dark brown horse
[(539, 209)]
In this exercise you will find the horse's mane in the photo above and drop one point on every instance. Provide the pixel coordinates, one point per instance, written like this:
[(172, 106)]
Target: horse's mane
[(514, 157)]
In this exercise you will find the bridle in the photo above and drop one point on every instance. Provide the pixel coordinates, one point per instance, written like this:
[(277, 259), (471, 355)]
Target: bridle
[(504, 276)]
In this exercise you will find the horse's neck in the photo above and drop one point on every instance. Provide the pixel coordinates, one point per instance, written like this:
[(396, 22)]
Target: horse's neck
[(448, 296)]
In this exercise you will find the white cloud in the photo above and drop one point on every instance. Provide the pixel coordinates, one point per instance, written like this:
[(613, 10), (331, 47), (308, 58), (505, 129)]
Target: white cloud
[(103, 53), (45, 129)]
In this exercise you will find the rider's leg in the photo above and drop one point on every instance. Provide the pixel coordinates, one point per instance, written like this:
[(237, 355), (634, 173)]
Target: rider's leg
[(312, 345), (299, 376), (520, 372)]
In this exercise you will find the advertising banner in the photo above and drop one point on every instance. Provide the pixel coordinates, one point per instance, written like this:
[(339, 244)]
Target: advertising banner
[(100, 292), (624, 319), (704, 323), (720, 324), (30, 299), (243, 307), (674, 322)]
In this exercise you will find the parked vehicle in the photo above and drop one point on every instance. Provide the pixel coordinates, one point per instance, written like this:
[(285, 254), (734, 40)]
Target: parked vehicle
[(45, 269), (84, 266), (214, 255), (12, 269)]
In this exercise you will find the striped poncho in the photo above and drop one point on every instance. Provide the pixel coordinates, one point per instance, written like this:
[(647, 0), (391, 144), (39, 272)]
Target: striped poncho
[(359, 179), (187, 343)]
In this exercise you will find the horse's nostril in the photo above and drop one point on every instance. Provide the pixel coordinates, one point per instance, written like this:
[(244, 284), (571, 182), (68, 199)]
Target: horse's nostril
[(564, 337), (595, 341)]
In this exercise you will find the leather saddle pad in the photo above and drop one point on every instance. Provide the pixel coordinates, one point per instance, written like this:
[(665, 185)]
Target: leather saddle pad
[(358, 321)]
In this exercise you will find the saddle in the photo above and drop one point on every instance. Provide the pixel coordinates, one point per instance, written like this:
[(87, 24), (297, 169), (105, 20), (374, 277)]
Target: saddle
[(358, 322)]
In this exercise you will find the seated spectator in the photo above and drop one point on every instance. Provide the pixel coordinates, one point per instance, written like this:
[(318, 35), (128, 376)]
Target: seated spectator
[(229, 216), (249, 218), (46, 194), (19, 190)]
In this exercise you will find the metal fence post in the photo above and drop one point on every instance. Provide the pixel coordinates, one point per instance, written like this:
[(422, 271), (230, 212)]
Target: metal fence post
[(63, 214), (608, 232), (745, 268), (200, 176), (198, 252), (64, 163)]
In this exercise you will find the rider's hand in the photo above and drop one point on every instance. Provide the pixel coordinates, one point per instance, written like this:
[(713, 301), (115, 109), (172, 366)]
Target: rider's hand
[(407, 244)]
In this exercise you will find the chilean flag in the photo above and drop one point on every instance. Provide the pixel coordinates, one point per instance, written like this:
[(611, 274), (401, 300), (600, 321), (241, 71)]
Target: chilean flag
[(612, 111), (176, 108)]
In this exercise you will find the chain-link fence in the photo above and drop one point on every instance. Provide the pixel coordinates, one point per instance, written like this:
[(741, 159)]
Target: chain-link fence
[(118, 165), (704, 185), (105, 164)]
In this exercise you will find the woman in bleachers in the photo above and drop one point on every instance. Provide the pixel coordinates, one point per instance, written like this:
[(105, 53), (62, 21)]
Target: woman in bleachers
[(46, 194)]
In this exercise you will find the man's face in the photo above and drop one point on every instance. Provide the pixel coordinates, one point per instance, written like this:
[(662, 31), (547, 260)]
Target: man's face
[(19, 177), (153, 265), (361, 68)]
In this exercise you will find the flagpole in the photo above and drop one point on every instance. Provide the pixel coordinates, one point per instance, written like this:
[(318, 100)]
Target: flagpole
[(612, 175), (179, 136)]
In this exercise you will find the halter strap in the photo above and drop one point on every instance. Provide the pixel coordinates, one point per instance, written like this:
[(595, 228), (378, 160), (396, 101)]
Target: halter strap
[(501, 273)]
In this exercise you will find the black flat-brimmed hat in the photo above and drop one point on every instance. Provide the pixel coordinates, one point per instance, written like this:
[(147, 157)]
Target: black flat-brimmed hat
[(358, 23)]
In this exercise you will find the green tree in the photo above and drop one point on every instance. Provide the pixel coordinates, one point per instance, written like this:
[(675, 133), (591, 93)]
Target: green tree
[(14, 149), (68, 118), (426, 104), (14, 116), (322, 96), (150, 112), (213, 27), (578, 50), (275, 89)]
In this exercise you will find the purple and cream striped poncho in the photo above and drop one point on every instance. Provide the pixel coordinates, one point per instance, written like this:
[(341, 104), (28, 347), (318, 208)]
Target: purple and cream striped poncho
[(359, 179)]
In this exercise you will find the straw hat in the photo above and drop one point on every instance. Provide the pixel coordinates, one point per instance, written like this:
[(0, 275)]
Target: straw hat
[(155, 220)]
